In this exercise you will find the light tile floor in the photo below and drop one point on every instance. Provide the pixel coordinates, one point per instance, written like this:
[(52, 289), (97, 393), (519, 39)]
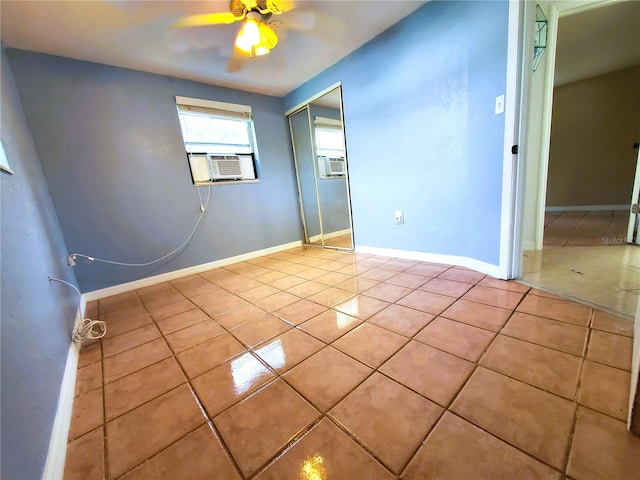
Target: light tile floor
[(341, 241), (580, 229), (317, 364), (606, 277)]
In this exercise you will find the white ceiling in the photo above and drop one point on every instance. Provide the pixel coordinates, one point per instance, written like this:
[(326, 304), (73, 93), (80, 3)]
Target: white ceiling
[(137, 35), (598, 41)]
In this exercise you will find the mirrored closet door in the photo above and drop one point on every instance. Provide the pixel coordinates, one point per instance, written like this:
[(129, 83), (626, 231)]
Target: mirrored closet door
[(317, 134)]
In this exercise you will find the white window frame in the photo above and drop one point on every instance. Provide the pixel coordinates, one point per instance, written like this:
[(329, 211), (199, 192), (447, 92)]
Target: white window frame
[(323, 155), (247, 155)]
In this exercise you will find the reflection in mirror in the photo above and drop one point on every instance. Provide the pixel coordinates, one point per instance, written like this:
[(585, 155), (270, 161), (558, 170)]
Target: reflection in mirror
[(303, 152), (332, 173), (317, 133)]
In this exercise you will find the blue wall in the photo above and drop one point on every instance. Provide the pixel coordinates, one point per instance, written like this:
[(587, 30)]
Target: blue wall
[(110, 145), (421, 133), (37, 315)]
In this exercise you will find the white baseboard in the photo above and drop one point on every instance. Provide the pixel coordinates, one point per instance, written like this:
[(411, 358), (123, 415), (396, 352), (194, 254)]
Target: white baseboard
[(472, 263), (54, 466), (587, 208), (527, 246), (339, 233), (164, 277)]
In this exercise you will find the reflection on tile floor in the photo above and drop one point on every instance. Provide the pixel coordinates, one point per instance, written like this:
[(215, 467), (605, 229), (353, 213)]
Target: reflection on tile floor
[(340, 241), (606, 277), (319, 364), (580, 229)]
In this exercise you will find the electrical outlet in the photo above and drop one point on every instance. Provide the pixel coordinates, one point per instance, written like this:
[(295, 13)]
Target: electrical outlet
[(499, 104), (399, 217)]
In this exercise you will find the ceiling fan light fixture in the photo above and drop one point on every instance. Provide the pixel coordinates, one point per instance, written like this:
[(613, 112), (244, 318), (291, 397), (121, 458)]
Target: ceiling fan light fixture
[(261, 50), (268, 39), (249, 35)]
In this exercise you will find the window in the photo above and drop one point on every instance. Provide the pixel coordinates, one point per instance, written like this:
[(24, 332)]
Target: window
[(219, 140), (330, 147), (329, 138)]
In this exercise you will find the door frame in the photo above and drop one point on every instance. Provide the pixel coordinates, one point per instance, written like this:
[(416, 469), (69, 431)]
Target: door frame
[(519, 65), (557, 10), (635, 200), (295, 164), (289, 113)]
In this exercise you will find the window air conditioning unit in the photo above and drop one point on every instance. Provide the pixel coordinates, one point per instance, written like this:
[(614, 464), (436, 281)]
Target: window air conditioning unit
[(207, 168), (331, 167), (336, 166), (232, 167)]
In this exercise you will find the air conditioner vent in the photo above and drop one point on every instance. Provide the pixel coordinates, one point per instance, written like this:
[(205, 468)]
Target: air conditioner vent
[(336, 166), (226, 166), (232, 167)]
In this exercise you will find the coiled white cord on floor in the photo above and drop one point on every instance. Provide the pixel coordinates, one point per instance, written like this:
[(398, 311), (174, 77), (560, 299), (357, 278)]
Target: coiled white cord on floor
[(88, 329), (71, 259)]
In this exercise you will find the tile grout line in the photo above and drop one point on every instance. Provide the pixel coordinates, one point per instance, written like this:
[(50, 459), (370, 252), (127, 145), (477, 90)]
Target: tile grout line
[(581, 370), (478, 365), (208, 421), (507, 442), (105, 446), (187, 382), (459, 391), (327, 415)]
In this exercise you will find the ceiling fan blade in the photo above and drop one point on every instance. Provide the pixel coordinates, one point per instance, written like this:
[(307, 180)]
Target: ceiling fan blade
[(282, 5), (207, 19), (301, 20), (237, 60)]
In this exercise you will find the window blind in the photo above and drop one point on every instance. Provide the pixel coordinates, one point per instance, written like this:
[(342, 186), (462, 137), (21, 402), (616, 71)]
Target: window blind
[(211, 107)]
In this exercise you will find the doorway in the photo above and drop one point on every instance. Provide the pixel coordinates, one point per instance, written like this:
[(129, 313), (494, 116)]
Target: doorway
[(319, 150), (575, 243)]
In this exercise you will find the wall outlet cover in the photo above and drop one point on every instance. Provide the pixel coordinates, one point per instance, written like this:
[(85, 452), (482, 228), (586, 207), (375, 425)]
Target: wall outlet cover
[(500, 104)]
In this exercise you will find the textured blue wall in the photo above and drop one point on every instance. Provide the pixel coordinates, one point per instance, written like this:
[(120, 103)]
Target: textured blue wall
[(110, 145), (421, 133), (37, 315)]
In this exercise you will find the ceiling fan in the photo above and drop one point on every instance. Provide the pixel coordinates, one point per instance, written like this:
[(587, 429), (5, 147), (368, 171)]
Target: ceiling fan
[(256, 36)]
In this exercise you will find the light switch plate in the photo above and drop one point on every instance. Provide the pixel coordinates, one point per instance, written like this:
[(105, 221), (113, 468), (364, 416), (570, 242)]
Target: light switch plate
[(499, 104)]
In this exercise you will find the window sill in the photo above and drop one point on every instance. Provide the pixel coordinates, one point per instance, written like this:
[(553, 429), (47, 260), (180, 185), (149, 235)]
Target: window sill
[(233, 182), (332, 177)]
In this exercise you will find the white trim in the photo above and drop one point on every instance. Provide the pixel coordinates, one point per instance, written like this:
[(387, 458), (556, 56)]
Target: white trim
[(528, 246), (316, 238), (314, 97), (329, 122), (164, 277), (635, 194), (509, 233), (337, 233), (588, 208), (545, 137), (634, 391), (471, 263), (57, 453), (579, 6), (199, 102)]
